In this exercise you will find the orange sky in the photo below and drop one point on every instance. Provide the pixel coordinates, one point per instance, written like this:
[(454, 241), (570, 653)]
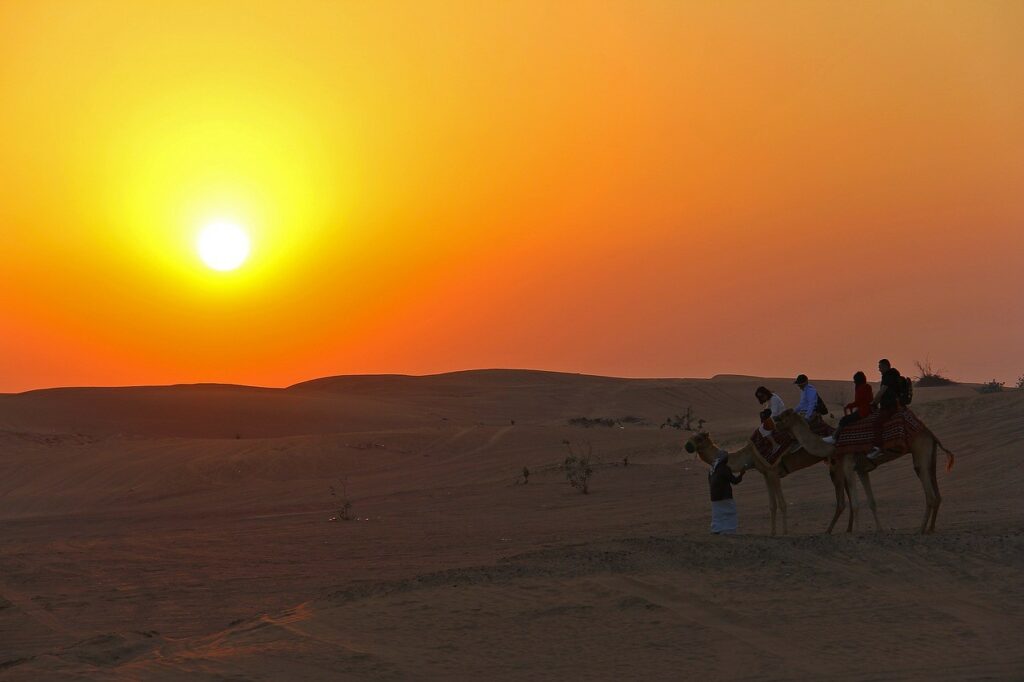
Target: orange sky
[(626, 188)]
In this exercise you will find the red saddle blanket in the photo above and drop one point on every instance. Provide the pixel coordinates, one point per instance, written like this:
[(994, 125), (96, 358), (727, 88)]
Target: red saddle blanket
[(897, 434), (769, 450)]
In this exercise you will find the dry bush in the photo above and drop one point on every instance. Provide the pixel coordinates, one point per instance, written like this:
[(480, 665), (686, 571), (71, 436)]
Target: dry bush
[(344, 512), (992, 387), (685, 421), (929, 376), (587, 422), (578, 466)]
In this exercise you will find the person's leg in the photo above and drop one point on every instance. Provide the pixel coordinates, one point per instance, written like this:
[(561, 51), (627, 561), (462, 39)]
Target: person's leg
[(879, 426), (834, 438), (848, 419), (884, 415)]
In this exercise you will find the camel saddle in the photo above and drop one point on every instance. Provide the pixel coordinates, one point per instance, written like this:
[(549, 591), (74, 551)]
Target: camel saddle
[(772, 447), (897, 434), (784, 442)]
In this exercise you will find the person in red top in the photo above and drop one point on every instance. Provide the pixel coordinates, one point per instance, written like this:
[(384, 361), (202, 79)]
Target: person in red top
[(859, 408)]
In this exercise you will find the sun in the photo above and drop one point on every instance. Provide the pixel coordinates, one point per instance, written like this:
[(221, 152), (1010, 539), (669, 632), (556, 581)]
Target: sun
[(223, 245)]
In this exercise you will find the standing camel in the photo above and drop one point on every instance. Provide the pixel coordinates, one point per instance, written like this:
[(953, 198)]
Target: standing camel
[(747, 458), (924, 448)]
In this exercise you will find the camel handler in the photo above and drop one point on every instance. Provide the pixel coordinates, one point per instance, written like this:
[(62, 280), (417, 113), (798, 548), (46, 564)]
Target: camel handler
[(724, 520)]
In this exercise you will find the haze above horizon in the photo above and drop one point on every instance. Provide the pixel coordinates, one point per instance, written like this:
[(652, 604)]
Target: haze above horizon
[(651, 189)]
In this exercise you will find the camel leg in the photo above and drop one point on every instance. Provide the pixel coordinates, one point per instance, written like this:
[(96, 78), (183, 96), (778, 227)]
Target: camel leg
[(840, 495), (937, 500), (782, 505), (865, 480), (851, 487), (771, 500), (846, 478), (849, 519), (922, 470)]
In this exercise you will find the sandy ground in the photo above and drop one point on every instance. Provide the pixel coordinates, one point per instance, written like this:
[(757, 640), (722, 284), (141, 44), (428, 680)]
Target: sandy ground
[(184, 533)]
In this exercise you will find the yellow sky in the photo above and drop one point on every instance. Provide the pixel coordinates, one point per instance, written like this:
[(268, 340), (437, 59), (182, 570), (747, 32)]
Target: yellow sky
[(631, 188)]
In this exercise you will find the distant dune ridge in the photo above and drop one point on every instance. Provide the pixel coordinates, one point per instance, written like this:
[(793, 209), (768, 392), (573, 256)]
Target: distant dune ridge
[(339, 403), (182, 532)]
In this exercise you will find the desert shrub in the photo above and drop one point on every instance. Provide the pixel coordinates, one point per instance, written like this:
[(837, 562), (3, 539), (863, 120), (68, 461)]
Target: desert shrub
[(587, 422), (578, 467), (344, 512), (1020, 381), (928, 376), (991, 387), (685, 421)]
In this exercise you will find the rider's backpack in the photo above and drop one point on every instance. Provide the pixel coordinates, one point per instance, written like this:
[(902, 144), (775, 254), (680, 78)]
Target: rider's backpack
[(821, 408), (906, 393)]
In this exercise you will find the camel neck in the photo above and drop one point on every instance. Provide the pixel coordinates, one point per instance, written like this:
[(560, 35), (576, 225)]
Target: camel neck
[(809, 441), (738, 461)]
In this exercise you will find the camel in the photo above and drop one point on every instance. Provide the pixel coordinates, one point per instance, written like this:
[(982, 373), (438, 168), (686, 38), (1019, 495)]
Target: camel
[(747, 458), (924, 448)]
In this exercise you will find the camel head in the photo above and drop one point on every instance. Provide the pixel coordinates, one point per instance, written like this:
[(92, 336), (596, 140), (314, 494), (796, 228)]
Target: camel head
[(699, 443)]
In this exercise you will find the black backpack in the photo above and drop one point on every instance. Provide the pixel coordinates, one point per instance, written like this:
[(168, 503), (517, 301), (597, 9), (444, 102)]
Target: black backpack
[(821, 408), (906, 392)]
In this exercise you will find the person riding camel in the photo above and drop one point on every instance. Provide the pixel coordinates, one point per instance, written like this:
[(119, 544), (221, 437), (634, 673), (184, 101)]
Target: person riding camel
[(887, 401), (772, 404), (773, 407), (858, 409), (808, 405)]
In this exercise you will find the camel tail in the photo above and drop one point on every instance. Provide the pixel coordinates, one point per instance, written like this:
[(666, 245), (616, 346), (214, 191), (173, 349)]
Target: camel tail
[(950, 457)]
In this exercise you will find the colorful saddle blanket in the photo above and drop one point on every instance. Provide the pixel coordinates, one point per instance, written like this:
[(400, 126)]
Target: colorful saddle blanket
[(771, 448), (897, 434)]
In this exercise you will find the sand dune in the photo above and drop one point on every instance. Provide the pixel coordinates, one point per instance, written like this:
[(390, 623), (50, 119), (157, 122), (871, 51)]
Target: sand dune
[(183, 532)]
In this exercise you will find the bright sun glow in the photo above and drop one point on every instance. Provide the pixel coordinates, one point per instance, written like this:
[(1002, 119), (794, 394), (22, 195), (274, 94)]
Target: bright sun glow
[(223, 245)]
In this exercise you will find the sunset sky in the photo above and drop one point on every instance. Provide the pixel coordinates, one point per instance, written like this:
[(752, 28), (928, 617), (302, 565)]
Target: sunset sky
[(625, 188)]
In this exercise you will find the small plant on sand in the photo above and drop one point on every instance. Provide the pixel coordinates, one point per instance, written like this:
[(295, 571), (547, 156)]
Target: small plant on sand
[(344, 512), (1020, 381), (685, 421), (578, 468), (928, 376), (588, 422), (526, 475), (992, 387)]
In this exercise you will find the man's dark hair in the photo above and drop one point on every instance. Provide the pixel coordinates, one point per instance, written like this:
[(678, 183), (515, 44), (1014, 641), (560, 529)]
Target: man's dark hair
[(885, 362), (860, 378), (762, 390)]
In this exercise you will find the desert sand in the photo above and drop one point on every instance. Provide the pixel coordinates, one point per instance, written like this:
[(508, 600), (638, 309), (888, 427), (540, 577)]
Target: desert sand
[(184, 532)]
